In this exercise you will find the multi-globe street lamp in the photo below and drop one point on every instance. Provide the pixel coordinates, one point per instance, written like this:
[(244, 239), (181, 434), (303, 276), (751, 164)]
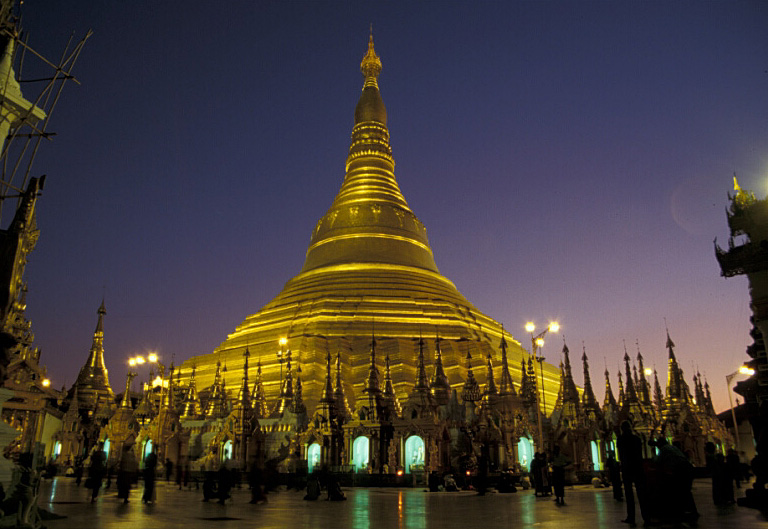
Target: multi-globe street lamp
[(743, 370), (537, 342), (152, 359)]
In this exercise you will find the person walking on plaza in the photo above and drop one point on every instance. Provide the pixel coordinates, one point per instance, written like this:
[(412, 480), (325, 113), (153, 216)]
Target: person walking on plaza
[(150, 468), (631, 454), (559, 463), (614, 471), (97, 471), (127, 469)]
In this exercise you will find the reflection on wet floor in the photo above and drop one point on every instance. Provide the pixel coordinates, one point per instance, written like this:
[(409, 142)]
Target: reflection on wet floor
[(365, 509)]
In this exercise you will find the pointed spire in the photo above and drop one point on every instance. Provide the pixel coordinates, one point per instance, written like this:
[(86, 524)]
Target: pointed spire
[(327, 396), (644, 388), (490, 385), (422, 384), (675, 383), (371, 65), (709, 406), (372, 385), (471, 390), (609, 399), (588, 401), (342, 406), (126, 400), (389, 389), (388, 394), (244, 396), (630, 395), (216, 406), (191, 408), (297, 404), (369, 203), (259, 396), (440, 387), (506, 386), (658, 396), (621, 399), (93, 379), (570, 396)]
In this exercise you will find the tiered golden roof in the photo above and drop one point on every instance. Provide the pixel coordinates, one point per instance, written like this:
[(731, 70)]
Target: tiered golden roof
[(368, 260)]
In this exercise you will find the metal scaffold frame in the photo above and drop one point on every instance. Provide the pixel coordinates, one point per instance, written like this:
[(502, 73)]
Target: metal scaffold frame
[(24, 139)]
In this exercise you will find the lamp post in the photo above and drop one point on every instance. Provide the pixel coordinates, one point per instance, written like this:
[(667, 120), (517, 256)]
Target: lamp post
[(152, 359), (743, 370), (537, 342), (281, 358)]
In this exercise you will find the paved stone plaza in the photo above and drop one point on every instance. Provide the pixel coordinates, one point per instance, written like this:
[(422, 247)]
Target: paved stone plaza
[(397, 508)]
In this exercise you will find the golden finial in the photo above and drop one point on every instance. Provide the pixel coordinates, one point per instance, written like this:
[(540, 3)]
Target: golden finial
[(371, 64), (741, 198)]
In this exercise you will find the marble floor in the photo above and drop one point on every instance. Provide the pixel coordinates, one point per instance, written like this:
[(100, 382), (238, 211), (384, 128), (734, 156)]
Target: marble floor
[(365, 508)]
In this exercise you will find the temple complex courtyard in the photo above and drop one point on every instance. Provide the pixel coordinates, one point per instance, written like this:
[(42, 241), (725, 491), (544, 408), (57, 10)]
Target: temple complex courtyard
[(365, 507)]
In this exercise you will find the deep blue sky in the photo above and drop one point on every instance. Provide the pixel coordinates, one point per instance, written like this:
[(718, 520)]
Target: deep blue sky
[(570, 161)]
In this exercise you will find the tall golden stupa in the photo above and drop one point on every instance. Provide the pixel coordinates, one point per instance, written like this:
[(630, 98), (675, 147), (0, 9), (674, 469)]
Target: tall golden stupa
[(369, 271)]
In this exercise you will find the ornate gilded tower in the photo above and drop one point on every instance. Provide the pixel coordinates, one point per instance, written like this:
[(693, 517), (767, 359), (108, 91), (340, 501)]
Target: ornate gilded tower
[(92, 382), (368, 259)]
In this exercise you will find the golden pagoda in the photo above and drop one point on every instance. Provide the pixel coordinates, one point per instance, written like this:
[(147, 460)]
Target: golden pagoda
[(369, 272)]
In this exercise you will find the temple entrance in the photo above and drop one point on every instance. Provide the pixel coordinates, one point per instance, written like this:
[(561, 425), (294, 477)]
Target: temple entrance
[(226, 451), (414, 453), (597, 462), (313, 457), (525, 453), (145, 451), (360, 453)]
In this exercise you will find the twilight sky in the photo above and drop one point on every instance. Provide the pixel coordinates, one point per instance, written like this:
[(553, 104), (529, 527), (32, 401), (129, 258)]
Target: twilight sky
[(570, 160)]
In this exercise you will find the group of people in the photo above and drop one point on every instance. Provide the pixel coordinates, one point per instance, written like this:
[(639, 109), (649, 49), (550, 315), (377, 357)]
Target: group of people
[(546, 483), (662, 485), (127, 473)]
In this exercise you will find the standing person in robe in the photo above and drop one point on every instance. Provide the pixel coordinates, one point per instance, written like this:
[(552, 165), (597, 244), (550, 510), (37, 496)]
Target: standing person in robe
[(97, 471), (631, 453), (150, 469), (127, 470)]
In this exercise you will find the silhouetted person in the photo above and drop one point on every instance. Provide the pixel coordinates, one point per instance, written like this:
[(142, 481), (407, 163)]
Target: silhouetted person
[(334, 489), (209, 486), (722, 482), (539, 474), (150, 468), (225, 483), (97, 471), (313, 488), (734, 466), (559, 464), (674, 485), (614, 472), (127, 469), (78, 470), (482, 469), (168, 469), (256, 483), (631, 453)]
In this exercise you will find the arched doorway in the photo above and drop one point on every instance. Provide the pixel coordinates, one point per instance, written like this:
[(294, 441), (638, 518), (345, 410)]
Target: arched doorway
[(146, 451), (525, 453), (226, 451), (597, 462), (107, 445), (360, 453), (313, 457), (414, 452), (56, 449)]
